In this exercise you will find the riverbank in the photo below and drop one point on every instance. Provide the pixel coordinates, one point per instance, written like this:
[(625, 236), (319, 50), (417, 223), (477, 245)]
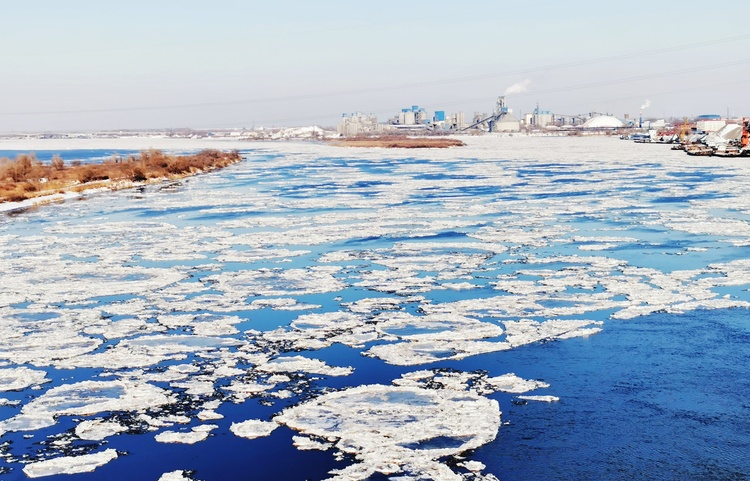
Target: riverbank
[(25, 178)]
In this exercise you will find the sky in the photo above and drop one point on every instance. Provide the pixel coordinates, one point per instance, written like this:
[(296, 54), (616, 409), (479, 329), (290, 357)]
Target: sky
[(160, 64)]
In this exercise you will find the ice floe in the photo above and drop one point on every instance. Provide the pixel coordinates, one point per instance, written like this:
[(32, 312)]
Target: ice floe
[(96, 430), (547, 399), (303, 364), (86, 398), (14, 379), (84, 463), (179, 475), (397, 430), (253, 428), (195, 435)]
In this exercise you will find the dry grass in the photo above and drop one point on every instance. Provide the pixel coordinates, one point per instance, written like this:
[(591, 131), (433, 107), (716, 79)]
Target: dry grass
[(393, 142), (26, 177)]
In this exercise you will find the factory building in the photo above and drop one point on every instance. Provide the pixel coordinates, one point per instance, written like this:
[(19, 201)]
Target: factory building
[(603, 122), (456, 121), (709, 123), (539, 118), (358, 124), (502, 120), (413, 119), (411, 116)]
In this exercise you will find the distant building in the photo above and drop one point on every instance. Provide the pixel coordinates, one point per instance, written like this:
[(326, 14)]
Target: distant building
[(358, 123), (709, 123), (603, 122), (542, 118), (504, 121), (455, 121), (406, 117), (411, 116)]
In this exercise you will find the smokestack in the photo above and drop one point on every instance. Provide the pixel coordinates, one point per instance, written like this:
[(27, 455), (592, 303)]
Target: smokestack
[(640, 119)]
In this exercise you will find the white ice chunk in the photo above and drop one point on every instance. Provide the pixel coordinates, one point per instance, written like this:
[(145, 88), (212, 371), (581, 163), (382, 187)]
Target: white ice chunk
[(304, 443), (303, 364), (16, 379), (253, 428), (277, 282), (526, 331), (195, 435), (209, 415), (513, 384), (394, 429), (547, 399), (97, 430), (85, 463), (178, 475), (86, 398)]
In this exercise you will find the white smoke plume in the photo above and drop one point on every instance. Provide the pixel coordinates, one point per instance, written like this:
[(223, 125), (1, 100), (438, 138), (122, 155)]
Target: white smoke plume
[(646, 104), (518, 88)]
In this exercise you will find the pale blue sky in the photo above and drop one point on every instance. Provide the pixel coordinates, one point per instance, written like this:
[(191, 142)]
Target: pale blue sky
[(80, 64)]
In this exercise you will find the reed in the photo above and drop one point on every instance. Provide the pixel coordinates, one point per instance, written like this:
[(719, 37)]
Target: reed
[(26, 177)]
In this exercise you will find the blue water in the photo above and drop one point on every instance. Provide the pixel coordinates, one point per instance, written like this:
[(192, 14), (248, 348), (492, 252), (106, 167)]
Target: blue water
[(658, 397), (82, 155)]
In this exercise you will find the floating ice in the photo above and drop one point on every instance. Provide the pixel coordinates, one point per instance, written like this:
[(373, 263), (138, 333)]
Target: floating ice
[(44, 348), (85, 463), (277, 282), (397, 430), (195, 435), (97, 430), (86, 398), (303, 364), (526, 331), (433, 337), (421, 352), (253, 428), (149, 350), (209, 415), (16, 379), (477, 382), (282, 304), (514, 384), (178, 475), (547, 399), (304, 443)]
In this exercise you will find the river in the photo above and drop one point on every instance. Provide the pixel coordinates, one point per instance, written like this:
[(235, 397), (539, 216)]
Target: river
[(519, 308)]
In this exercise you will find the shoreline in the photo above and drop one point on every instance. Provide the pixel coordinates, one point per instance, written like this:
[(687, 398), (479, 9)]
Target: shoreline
[(40, 184)]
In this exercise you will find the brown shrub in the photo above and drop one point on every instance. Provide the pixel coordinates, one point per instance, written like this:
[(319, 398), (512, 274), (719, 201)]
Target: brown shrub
[(137, 175), (15, 197), (179, 165), (91, 173), (57, 162)]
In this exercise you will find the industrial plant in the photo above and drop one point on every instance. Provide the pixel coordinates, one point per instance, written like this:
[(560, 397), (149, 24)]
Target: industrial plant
[(704, 135), (415, 119)]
